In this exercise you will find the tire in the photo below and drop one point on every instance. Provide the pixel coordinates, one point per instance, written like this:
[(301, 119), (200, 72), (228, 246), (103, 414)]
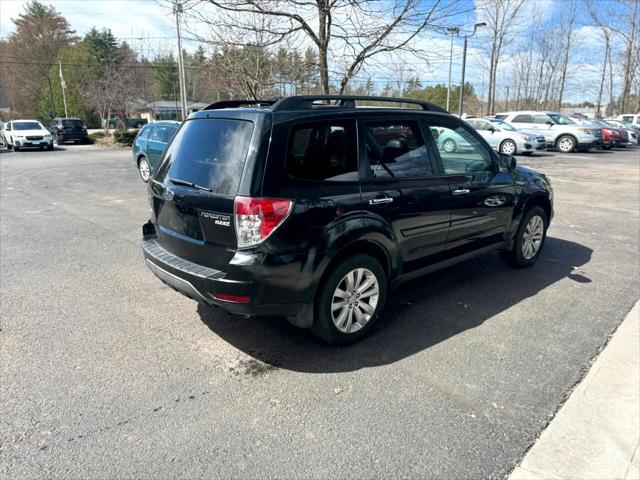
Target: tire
[(9, 146), (508, 147), (566, 144), (449, 145), (15, 149), (144, 169), (50, 147), (521, 256), (349, 324)]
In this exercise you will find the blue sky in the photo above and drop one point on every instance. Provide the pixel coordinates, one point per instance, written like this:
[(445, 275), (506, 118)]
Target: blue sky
[(132, 19)]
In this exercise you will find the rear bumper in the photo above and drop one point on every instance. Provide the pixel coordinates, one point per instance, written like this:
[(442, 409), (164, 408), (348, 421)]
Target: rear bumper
[(66, 137), (200, 283)]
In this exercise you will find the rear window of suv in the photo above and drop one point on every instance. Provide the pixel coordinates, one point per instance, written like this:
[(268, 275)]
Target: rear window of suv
[(72, 123), (209, 153)]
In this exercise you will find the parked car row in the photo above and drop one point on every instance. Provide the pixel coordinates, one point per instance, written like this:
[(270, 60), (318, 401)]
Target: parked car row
[(524, 132)]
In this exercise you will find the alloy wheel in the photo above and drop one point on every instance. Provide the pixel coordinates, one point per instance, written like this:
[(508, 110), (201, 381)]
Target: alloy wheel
[(532, 237), (354, 300), (145, 170)]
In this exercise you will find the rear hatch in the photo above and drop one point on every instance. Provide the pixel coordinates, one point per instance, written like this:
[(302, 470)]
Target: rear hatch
[(194, 190), (73, 126)]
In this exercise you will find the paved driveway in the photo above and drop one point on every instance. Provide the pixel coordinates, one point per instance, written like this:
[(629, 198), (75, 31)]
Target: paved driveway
[(108, 373)]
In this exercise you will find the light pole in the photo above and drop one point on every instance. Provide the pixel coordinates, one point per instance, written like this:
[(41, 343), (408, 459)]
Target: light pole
[(464, 63), (177, 9), (451, 31)]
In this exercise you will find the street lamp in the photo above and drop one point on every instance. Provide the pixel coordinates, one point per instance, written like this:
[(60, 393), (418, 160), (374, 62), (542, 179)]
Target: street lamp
[(451, 31), (464, 62)]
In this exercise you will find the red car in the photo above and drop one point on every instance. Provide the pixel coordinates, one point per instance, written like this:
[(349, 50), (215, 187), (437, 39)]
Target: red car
[(613, 137)]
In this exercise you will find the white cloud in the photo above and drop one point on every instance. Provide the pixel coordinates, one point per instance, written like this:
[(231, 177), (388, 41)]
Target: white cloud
[(125, 18)]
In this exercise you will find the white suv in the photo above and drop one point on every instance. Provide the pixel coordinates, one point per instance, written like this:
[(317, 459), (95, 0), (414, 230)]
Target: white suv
[(27, 133), (630, 118), (559, 130)]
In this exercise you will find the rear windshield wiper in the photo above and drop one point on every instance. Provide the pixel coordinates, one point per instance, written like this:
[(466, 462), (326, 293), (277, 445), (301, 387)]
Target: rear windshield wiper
[(177, 181)]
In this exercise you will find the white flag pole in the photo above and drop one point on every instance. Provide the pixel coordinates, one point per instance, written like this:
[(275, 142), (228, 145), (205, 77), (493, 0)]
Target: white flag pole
[(64, 86)]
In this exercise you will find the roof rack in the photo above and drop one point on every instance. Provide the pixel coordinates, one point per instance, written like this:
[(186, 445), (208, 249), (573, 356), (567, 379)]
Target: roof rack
[(239, 103), (306, 102)]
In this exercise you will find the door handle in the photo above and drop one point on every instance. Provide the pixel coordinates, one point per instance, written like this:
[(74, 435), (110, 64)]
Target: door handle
[(379, 201), (461, 191)]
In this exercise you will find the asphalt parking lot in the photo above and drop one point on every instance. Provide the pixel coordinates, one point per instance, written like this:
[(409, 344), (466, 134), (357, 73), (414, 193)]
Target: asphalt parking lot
[(108, 373)]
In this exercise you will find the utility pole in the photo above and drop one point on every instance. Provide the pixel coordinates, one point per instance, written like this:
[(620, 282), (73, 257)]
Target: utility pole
[(451, 31), (464, 64), (177, 9), (507, 105)]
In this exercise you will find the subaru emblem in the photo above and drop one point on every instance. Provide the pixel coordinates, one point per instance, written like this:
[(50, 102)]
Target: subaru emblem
[(168, 195)]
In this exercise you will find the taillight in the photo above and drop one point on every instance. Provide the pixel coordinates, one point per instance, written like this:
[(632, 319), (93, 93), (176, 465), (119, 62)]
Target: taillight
[(231, 298), (607, 131), (257, 218)]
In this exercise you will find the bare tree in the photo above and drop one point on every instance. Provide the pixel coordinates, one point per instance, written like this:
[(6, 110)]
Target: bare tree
[(501, 17), (345, 33), (567, 24)]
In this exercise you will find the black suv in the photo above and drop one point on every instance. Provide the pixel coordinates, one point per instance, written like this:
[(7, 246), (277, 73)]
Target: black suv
[(68, 129), (313, 207)]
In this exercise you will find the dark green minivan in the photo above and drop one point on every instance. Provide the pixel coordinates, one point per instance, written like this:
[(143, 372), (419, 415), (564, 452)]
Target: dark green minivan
[(150, 143)]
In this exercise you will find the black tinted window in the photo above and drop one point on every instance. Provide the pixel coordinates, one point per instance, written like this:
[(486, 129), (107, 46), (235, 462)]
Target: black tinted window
[(522, 119), (72, 123), (396, 149), (323, 151), (210, 153)]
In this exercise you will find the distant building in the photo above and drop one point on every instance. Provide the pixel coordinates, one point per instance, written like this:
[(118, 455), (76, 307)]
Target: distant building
[(167, 109)]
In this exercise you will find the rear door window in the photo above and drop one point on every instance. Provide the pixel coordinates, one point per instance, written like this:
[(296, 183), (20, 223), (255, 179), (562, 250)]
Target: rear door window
[(323, 151), (158, 133), (210, 153), (171, 132), (396, 149), (522, 119)]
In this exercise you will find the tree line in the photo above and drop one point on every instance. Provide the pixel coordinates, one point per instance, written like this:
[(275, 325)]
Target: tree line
[(272, 48)]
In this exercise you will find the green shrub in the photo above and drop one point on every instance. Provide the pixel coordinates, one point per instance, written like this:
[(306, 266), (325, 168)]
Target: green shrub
[(124, 138), (96, 136)]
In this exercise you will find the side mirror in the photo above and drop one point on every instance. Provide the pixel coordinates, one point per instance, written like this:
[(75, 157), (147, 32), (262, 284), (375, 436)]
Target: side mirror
[(507, 162), (549, 122), (492, 130)]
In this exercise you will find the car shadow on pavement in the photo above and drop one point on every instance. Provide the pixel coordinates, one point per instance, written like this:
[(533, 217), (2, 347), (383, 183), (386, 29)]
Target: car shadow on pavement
[(419, 314)]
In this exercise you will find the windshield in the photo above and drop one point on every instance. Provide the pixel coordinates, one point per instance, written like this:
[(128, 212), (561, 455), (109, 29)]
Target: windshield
[(27, 126), (561, 119), (72, 123), (504, 125), (209, 153)]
